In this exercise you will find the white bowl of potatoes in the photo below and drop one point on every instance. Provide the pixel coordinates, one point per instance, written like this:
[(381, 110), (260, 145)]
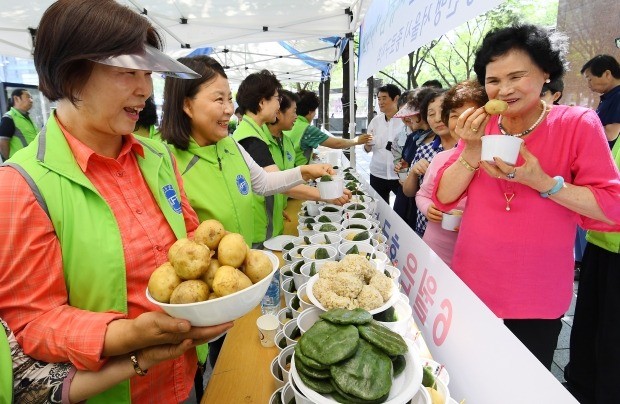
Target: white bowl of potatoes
[(211, 290)]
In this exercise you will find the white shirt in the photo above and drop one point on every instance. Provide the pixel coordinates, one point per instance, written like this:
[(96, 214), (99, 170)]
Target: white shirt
[(383, 131)]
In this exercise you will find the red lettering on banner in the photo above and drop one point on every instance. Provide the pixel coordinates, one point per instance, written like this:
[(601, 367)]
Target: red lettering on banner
[(441, 326), (410, 268)]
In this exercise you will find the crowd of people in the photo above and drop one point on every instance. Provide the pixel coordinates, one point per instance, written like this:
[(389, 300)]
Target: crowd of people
[(78, 248)]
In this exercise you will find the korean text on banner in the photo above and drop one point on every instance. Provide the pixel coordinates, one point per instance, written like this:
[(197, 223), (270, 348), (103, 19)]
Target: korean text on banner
[(392, 29)]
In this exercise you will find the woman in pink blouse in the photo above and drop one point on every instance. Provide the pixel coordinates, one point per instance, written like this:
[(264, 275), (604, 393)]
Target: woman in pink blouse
[(462, 96), (514, 248)]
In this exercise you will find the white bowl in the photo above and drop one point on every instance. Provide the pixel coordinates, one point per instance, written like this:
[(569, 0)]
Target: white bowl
[(389, 303), (403, 315), (333, 217), (345, 233), (349, 215), (452, 220), (301, 293), (274, 367), (225, 308), (364, 249), (307, 267), (307, 318), (304, 232), (328, 208), (331, 189), (317, 228), (404, 386), (319, 239), (502, 146), (368, 226), (306, 223), (308, 253)]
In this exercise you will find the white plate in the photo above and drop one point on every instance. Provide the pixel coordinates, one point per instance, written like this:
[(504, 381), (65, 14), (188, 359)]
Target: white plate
[(276, 243), (385, 306), (405, 386)]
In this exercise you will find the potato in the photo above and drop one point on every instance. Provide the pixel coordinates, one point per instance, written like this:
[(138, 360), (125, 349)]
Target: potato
[(210, 274), (436, 397), (175, 247), (232, 250), (209, 233), (190, 292), (229, 280), (190, 260), (162, 282), (495, 107), (257, 265)]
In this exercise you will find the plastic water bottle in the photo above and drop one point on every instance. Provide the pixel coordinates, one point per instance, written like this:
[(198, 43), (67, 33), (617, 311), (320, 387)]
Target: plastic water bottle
[(271, 301)]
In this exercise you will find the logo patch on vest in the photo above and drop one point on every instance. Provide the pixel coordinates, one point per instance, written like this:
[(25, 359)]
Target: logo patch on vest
[(173, 199), (242, 184), (288, 156)]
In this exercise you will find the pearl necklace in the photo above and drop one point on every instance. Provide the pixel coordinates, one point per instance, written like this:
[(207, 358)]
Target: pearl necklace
[(530, 129)]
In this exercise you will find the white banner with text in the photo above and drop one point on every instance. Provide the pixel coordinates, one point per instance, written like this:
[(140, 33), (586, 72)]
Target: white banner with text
[(393, 28)]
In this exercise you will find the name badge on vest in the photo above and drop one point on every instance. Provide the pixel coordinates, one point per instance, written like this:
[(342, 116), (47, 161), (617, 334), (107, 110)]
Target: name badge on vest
[(173, 199), (288, 156), (242, 184)]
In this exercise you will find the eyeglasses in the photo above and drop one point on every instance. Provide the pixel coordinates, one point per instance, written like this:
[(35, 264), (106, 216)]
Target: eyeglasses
[(279, 98)]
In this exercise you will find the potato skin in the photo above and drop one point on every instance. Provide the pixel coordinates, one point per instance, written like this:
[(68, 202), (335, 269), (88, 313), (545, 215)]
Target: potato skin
[(495, 107), (257, 265), (210, 233), (162, 282), (191, 260), (232, 250), (191, 291), (208, 276), (229, 280), (174, 248)]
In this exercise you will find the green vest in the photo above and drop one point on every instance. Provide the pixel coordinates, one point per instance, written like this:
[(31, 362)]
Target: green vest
[(6, 369), (268, 219), (83, 221), (301, 156), (609, 241), (217, 182), (25, 131)]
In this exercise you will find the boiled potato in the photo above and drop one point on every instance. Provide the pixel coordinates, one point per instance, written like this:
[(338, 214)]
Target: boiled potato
[(209, 233), (175, 247), (257, 265), (190, 292), (210, 274), (232, 250), (162, 282), (495, 107), (436, 397), (191, 260), (229, 280)]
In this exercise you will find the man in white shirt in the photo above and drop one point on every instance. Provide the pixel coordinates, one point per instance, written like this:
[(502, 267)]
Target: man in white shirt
[(385, 130)]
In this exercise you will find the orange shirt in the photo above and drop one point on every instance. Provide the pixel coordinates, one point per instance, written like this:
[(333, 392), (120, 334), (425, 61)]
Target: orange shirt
[(33, 296)]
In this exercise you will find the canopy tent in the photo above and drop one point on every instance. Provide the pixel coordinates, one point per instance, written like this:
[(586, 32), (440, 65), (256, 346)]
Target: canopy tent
[(245, 35)]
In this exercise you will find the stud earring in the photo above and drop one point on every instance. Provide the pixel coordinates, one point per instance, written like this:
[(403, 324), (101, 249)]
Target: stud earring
[(548, 81)]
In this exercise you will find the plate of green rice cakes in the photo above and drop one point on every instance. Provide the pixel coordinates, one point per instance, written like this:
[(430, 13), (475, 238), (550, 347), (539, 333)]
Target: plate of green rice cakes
[(347, 357)]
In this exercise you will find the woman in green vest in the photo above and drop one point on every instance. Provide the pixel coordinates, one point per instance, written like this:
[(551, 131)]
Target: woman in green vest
[(16, 128), (27, 379), (274, 152), (219, 175), (89, 211)]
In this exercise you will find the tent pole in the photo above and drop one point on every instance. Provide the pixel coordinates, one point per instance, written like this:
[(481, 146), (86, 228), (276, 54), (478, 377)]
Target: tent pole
[(352, 103)]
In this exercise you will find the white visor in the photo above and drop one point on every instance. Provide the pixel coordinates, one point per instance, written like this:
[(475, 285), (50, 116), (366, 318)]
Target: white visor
[(154, 60)]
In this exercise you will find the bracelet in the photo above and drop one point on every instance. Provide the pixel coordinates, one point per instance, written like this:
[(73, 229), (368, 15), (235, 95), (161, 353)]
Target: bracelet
[(136, 366), (468, 166), (556, 188)]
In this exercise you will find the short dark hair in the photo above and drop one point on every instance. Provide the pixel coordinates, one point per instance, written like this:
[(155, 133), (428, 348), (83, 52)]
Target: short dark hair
[(148, 116), (18, 92), (432, 83), (176, 126), (555, 86), (254, 88), (308, 102), (460, 94), (72, 32), (600, 63), (533, 40), (287, 100), (391, 89), (428, 98)]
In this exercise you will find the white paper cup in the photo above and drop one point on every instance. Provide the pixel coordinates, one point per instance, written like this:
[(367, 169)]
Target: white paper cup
[(333, 158), (313, 208), (451, 220), (331, 189), (267, 328), (276, 373), (284, 360), (402, 175), (502, 146)]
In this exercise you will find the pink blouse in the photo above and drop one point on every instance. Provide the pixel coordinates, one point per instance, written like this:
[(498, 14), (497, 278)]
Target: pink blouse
[(520, 262), (439, 240)]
